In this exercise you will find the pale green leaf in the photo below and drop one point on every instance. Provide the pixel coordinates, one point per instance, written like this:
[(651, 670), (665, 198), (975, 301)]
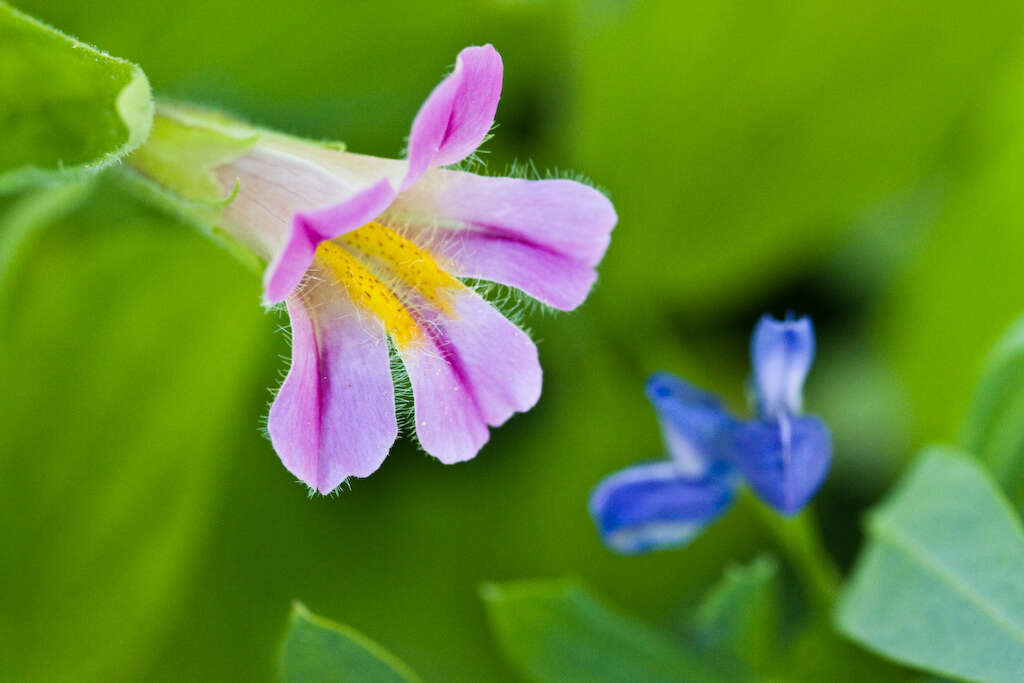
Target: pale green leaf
[(67, 108), (317, 650), (559, 631), (940, 586)]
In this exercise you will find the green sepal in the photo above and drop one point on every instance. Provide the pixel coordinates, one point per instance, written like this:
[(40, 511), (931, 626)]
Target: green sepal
[(68, 108), (176, 168), (205, 217), (184, 149)]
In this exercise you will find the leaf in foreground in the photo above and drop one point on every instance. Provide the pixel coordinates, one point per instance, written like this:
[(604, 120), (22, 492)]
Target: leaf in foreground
[(317, 650), (940, 584), (994, 429), (558, 631), (740, 614)]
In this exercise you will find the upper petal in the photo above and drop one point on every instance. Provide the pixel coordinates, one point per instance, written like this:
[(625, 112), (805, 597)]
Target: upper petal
[(311, 228), (784, 461), (541, 236), (320, 194), (657, 505), (473, 370), (457, 115), (696, 428), (781, 353), (334, 416)]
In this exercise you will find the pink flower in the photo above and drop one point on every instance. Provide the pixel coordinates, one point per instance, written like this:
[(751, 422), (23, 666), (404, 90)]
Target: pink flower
[(363, 249)]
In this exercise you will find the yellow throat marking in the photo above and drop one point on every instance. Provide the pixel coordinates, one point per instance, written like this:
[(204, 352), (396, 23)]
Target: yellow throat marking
[(359, 259)]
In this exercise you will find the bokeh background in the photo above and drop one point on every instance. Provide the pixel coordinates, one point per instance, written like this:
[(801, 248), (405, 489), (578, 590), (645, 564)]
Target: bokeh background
[(859, 161)]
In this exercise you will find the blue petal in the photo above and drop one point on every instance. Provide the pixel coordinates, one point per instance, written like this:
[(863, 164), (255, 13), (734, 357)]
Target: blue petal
[(696, 428), (781, 353), (654, 505), (784, 461)]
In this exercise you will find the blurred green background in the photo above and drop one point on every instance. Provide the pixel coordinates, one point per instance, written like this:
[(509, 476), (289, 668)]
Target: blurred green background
[(861, 162)]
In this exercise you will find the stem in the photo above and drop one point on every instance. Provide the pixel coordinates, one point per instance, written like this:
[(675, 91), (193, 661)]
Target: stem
[(800, 542)]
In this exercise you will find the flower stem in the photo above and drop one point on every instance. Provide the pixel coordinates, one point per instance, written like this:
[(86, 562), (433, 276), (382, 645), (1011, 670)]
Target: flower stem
[(798, 538)]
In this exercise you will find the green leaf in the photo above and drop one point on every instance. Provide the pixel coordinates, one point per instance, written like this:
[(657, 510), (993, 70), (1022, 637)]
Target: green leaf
[(559, 631), (740, 615), (994, 429), (741, 618), (939, 585), (68, 109), (317, 650), (123, 401)]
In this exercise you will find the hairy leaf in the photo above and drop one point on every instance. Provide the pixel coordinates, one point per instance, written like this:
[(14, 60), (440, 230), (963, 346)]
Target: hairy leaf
[(67, 108)]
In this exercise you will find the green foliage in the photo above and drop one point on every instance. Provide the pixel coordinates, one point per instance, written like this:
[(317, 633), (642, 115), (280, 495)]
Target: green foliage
[(317, 650), (559, 631), (960, 290), (739, 145), (122, 399), (740, 616), (994, 430), (775, 127), (67, 108), (938, 586)]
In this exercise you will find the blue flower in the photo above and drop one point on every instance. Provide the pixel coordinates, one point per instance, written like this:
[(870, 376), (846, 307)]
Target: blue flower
[(783, 456)]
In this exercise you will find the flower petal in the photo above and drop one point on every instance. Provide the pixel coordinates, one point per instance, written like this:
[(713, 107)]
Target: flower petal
[(457, 115), (474, 369), (781, 353), (657, 505), (334, 416), (696, 428), (309, 229), (784, 461), (541, 236)]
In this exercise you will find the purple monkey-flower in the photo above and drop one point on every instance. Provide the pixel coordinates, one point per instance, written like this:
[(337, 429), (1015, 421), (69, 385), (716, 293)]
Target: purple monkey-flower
[(363, 249), (783, 456)]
